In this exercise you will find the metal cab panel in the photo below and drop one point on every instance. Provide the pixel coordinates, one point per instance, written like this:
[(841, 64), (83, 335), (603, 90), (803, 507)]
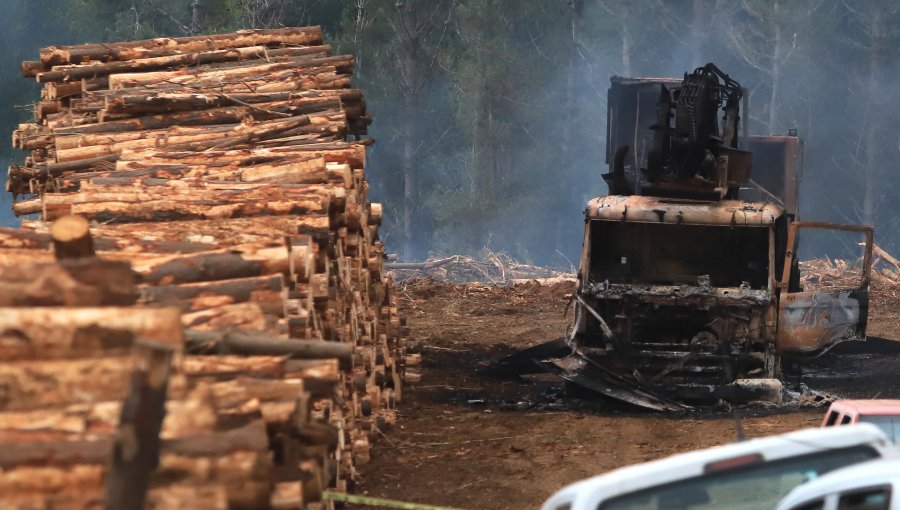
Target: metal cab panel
[(811, 322)]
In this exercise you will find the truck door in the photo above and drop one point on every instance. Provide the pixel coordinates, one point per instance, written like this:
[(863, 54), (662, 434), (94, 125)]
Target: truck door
[(811, 321)]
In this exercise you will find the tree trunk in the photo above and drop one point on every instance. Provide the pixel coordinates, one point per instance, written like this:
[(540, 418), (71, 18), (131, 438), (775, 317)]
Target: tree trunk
[(874, 119), (777, 61)]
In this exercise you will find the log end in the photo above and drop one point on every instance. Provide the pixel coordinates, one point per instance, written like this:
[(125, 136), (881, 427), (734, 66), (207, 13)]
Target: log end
[(72, 237)]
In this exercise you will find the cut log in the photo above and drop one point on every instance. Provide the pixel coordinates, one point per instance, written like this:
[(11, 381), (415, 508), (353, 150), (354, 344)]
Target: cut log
[(129, 204), (208, 138), (31, 68), (212, 368), (72, 238), (339, 152), (299, 171), (69, 282), (188, 496), (56, 334), (253, 343), (247, 476), (238, 315), (56, 55), (136, 101), (68, 73), (40, 487), (217, 232), (231, 73), (197, 296), (18, 238), (212, 266)]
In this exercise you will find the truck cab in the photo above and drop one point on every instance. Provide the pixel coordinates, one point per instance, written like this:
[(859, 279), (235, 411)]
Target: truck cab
[(690, 287)]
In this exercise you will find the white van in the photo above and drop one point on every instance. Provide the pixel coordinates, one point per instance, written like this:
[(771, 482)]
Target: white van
[(747, 475), (873, 485)]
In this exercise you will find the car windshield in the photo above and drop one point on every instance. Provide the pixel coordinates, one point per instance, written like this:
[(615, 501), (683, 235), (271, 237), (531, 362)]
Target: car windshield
[(889, 424), (760, 485)]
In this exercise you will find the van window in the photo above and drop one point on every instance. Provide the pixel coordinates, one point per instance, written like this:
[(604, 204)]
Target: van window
[(750, 486), (818, 504), (845, 420), (889, 424), (869, 499), (832, 418)]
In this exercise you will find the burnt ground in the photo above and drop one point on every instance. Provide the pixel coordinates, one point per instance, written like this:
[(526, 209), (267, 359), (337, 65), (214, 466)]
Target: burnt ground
[(469, 440)]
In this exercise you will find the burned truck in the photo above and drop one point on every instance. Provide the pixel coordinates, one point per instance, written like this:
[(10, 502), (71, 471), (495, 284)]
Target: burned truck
[(689, 289)]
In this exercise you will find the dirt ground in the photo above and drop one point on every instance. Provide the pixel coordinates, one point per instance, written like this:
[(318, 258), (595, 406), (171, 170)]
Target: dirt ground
[(468, 440)]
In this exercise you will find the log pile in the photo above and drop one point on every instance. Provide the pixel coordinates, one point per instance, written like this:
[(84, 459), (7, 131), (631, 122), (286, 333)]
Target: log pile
[(222, 177), (86, 380)]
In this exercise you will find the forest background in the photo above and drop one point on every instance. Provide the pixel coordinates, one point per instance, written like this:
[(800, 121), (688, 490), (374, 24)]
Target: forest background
[(490, 115)]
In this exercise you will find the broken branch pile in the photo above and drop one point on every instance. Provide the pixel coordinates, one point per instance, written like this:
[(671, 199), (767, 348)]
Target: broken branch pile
[(840, 273), (496, 268), (835, 274), (219, 178)]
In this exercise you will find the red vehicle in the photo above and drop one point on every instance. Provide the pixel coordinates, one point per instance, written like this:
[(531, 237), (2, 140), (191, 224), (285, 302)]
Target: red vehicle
[(885, 414)]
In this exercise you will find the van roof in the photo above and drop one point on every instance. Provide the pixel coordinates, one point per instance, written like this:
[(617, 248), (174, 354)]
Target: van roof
[(872, 406), (591, 492), (873, 473)]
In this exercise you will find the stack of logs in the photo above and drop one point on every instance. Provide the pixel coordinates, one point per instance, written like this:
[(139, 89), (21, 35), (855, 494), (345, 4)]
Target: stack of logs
[(221, 169)]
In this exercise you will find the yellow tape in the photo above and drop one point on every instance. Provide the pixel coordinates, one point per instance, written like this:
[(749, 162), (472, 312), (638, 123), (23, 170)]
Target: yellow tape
[(386, 503)]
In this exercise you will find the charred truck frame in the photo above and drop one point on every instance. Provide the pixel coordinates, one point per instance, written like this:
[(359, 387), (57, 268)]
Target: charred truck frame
[(688, 288)]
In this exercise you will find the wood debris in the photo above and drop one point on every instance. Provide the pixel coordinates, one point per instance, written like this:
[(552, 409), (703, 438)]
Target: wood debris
[(495, 268)]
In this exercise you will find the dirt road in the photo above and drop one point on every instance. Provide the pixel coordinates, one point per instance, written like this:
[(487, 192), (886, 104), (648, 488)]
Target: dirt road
[(471, 441)]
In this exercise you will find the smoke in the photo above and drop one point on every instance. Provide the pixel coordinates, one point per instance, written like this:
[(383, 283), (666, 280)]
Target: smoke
[(510, 131)]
